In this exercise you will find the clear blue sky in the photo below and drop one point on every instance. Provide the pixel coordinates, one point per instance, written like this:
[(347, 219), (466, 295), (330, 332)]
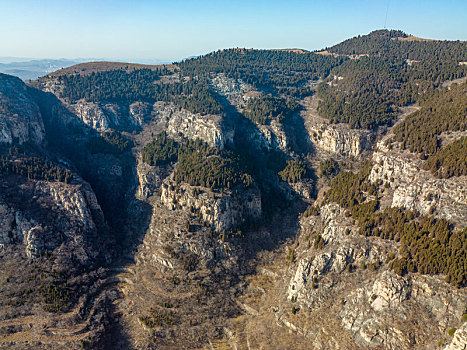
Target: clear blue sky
[(171, 30)]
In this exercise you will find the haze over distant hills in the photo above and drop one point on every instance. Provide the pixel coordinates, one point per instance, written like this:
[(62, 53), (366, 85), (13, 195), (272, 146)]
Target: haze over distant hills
[(30, 68)]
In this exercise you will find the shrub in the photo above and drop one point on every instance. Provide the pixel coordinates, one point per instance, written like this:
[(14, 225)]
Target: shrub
[(328, 168), (294, 171)]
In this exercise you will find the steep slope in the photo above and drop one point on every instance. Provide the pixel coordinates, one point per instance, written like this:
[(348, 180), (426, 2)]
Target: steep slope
[(21, 121), (53, 235), (173, 199)]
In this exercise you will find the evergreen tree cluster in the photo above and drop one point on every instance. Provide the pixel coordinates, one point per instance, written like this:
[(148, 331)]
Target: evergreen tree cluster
[(444, 111), (349, 189), (112, 86), (328, 168), (293, 172), (450, 160), (263, 110), (120, 86), (35, 168), (110, 142), (161, 151), (198, 164), (428, 245), (387, 43), (395, 73), (282, 71), (213, 171), (363, 97), (198, 98)]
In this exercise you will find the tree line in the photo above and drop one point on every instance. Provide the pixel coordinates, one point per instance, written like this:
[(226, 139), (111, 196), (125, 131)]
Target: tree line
[(120, 86), (281, 71), (263, 110), (35, 168), (198, 164), (444, 112), (428, 245), (395, 73)]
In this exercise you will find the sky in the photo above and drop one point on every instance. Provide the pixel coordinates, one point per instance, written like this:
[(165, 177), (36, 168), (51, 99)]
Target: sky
[(150, 31)]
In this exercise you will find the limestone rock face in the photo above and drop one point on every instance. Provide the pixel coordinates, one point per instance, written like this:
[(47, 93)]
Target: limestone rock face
[(195, 126), (140, 113), (459, 340), (388, 291), (376, 307), (180, 122), (221, 211), (168, 240), (339, 139), (53, 216), (101, 116), (105, 116), (383, 312), (341, 250), (275, 135), (20, 119), (303, 188), (91, 114), (417, 189), (150, 178), (236, 91)]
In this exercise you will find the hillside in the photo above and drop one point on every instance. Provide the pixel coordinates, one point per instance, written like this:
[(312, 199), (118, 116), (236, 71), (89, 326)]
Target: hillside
[(241, 199)]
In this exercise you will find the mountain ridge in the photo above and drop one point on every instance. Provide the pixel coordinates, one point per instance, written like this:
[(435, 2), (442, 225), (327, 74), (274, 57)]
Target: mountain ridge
[(244, 198)]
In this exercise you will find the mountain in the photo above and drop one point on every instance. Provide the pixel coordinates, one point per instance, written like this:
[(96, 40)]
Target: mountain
[(241, 199), (33, 69)]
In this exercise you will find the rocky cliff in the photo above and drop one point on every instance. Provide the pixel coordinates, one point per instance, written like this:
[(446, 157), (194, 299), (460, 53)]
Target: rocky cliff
[(181, 122), (20, 119), (64, 219), (337, 139), (111, 116), (121, 256), (416, 189), (221, 211), (336, 291)]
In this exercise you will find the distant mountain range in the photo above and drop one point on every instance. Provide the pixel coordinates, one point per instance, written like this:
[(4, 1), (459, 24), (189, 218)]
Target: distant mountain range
[(31, 69)]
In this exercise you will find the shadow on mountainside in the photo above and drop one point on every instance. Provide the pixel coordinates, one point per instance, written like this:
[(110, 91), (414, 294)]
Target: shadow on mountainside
[(114, 180)]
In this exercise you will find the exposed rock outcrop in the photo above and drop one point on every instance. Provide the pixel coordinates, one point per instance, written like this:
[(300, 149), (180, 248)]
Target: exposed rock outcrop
[(341, 250), (236, 91), (150, 178), (459, 339), (180, 122), (339, 139), (20, 119), (374, 305), (222, 211), (107, 116), (274, 135), (55, 217), (417, 189), (383, 312)]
